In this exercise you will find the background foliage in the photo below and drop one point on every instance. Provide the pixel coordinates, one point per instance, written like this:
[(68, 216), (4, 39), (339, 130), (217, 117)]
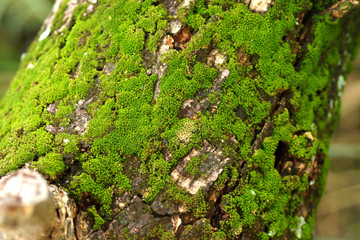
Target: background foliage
[(339, 212), (20, 21), (338, 216)]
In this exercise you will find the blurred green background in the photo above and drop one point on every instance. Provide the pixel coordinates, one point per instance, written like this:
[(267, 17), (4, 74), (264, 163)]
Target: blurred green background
[(338, 216), (20, 20), (339, 213)]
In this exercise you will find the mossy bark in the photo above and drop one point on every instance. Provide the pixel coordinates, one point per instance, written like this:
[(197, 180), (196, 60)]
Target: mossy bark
[(192, 119)]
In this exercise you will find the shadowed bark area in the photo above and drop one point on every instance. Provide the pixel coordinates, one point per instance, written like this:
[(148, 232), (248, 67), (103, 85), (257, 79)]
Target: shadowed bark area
[(186, 119)]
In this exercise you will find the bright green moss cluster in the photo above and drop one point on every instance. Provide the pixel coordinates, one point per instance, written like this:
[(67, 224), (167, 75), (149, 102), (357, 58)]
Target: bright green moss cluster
[(100, 59), (98, 220), (51, 164)]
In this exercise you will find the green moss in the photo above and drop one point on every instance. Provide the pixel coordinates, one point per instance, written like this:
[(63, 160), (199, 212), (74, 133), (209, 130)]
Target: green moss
[(160, 233), (182, 137), (42, 140), (219, 235), (193, 166), (291, 183), (159, 169), (58, 21), (202, 207), (303, 147), (101, 175), (63, 109), (67, 143), (98, 220), (51, 164), (103, 119), (264, 236), (154, 15)]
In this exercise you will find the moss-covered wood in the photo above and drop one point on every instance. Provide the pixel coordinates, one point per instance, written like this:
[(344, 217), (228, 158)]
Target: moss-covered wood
[(192, 119)]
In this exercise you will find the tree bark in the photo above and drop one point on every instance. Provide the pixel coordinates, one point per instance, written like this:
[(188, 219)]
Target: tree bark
[(194, 119)]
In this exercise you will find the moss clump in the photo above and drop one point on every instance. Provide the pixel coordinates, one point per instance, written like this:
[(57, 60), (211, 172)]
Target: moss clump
[(98, 220), (67, 143), (51, 164), (99, 178), (182, 137), (193, 166)]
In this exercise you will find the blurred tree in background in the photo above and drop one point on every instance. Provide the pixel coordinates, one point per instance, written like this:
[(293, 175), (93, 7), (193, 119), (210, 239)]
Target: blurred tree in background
[(20, 20)]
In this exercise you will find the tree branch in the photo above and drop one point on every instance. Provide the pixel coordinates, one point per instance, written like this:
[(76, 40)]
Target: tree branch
[(31, 209)]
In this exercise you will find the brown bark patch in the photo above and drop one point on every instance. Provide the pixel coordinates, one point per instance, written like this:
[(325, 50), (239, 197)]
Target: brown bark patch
[(181, 38)]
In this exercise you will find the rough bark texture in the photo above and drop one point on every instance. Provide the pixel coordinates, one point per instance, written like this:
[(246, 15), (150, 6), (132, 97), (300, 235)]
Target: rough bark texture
[(191, 119)]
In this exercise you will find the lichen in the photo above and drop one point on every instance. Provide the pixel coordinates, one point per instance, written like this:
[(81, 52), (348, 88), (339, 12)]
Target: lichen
[(256, 86)]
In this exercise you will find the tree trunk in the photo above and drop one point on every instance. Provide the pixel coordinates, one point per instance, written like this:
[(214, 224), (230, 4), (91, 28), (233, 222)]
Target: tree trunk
[(194, 119)]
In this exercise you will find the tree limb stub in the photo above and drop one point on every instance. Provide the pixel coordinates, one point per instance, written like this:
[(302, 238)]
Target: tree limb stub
[(28, 209)]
